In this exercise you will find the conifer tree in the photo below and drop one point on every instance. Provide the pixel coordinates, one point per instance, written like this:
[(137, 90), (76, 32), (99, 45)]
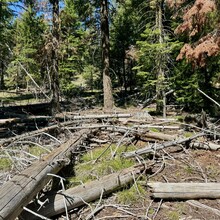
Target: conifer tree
[(155, 55), (199, 57), (27, 42), (5, 39)]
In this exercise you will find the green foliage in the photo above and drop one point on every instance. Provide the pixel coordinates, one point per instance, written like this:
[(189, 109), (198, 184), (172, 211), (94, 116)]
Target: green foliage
[(173, 215), (76, 49), (28, 41), (91, 74), (154, 55), (5, 164), (131, 195), (37, 151), (86, 170), (127, 25)]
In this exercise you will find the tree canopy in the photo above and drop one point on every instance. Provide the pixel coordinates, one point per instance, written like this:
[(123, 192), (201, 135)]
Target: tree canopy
[(65, 48)]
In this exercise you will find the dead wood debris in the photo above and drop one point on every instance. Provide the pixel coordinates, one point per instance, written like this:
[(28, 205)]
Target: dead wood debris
[(166, 145)]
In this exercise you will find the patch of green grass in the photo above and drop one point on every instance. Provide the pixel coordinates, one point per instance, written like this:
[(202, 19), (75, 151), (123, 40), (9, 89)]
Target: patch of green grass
[(11, 97), (36, 151), (213, 171), (88, 170), (176, 214), (149, 109), (188, 169), (154, 129), (173, 215), (131, 195), (180, 118), (188, 134), (5, 163)]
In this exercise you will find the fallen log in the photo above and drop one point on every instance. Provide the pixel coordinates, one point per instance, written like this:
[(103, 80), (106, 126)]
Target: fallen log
[(185, 190), (158, 136), (199, 205), (20, 190), (82, 194), (34, 109), (204, 145), (154, 147)]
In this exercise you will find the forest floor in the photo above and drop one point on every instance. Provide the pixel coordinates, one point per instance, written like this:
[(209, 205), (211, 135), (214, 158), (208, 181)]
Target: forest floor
[(174, 164)]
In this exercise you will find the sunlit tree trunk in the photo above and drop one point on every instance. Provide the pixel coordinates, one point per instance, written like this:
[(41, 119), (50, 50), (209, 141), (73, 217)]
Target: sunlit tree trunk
[(161, 99), (55, 101), (107, 85)]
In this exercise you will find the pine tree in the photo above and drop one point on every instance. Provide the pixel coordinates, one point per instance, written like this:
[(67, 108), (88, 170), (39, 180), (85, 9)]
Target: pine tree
[(127, 25), (200, 54), (6, 16), (27, 42), (155, 55)]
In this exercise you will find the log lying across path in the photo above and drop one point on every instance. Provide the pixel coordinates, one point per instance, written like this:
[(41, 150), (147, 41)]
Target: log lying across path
[(185, 190), (81, 195), (21, 189)]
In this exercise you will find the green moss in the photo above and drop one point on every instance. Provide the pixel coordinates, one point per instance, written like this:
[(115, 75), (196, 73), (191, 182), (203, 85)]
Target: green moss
[(5, 163)]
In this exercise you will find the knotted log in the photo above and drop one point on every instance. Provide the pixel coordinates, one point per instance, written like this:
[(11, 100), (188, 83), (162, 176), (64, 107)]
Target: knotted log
[(82, 194), (21, 189)]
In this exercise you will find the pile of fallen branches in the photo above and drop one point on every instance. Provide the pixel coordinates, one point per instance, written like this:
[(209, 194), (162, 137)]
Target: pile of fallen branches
[(26, 191)]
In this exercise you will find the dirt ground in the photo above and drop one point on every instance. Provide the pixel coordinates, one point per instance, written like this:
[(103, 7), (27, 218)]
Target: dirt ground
[(175, 164), (183, 165)]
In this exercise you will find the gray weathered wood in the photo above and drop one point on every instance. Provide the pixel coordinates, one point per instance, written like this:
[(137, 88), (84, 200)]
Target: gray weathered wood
[(153, 147), (205, 145), (185, 190), (85, 193), (21, 189)]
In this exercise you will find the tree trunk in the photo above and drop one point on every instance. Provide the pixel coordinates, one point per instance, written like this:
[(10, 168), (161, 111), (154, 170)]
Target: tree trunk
[(107, 85), (160, 61), (55, 105), (2, 84)]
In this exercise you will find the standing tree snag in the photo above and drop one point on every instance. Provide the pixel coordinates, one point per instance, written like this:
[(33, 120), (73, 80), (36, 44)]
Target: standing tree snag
[(160, 90), (55, 101), (107, 85)]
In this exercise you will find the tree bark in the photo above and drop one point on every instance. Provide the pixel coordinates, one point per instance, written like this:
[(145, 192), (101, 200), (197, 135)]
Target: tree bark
[(161, 99), (80, 195), (185, 190), (55, 101), (21, 189), (107, 85)]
